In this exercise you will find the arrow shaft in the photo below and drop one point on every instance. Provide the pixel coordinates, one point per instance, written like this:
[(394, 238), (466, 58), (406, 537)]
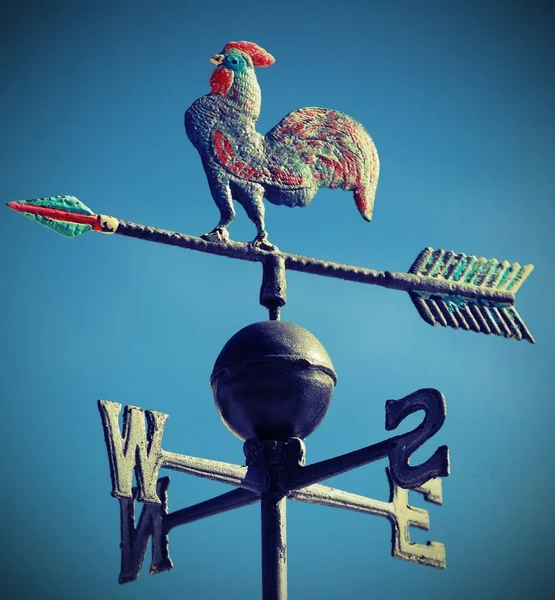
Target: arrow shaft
[(388, 279)]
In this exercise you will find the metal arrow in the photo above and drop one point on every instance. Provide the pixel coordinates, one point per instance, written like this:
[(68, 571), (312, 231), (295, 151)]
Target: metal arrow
[(448, 288)]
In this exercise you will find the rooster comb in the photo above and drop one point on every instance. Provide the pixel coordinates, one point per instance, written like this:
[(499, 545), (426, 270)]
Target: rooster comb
[(259, 56)]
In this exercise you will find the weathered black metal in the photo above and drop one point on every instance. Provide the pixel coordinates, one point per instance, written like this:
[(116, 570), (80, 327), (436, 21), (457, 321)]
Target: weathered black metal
[(274, 286), (432, 403), (274, 546), (135, 539), (234, 499), (448, 289), (273, 380), (267, 384), (275, 470), (316, 266), (273, 383), (273, 458)]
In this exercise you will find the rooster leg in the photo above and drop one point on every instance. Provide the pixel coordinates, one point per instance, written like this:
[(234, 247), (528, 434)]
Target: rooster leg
[(222, 197), (261, 241), (251, 199)]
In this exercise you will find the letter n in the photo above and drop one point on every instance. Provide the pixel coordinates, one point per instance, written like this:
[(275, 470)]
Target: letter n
[(134, 449), (134, 540)]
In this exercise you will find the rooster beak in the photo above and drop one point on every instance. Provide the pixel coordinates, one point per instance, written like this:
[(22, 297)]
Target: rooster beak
[(217, 59)]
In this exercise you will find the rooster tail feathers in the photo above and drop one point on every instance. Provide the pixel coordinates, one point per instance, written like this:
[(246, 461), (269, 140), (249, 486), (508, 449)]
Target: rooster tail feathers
[(336, 148), (364, 204), (365, 194)]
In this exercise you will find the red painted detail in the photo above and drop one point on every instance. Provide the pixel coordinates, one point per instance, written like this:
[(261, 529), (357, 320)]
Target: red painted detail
[(259, 56), (243, 170), (347, 126), (227, 146), (227, 158), (283, 177), (337, 174), (248, 172), (238, 168), (56, 214), (331, 163), (262, 173), (220, 146), (362, 203), (221, 80)]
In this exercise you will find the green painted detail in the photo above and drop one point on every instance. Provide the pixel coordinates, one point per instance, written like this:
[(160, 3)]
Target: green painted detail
[(435, 272), (480, 271), (70, 203), (471, 272), (508, 271), (428, 268), (69, 230), (460, 268), (516, 279), (494, 272), (459, 301), (451, 301)]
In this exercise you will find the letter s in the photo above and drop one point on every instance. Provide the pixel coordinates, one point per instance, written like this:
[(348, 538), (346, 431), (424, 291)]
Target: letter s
[(432, 402)]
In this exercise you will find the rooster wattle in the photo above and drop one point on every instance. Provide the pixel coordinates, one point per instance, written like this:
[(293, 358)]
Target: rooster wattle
[(309, 149)]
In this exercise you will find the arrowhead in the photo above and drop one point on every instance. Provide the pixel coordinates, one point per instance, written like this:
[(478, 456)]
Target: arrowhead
[(65, 215), (17, 206)]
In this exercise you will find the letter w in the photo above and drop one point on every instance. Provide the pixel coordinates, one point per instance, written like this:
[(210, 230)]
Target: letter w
[(134, 449)]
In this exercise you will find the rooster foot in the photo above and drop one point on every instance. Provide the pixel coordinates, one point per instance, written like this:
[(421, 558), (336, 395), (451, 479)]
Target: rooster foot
[(261, 242), (218, 234)]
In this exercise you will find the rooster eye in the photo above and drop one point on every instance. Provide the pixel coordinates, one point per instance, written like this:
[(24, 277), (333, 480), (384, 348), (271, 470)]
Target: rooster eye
[(234, 62)]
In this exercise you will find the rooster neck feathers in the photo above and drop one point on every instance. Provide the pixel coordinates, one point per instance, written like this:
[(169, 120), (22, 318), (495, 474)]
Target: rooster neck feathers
[(243, 94)]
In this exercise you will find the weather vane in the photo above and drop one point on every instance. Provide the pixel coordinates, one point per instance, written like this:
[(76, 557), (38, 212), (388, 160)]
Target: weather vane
[(273, 381)]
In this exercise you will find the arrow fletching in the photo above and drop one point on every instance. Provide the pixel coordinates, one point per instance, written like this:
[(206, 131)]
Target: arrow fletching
[(471, 312)]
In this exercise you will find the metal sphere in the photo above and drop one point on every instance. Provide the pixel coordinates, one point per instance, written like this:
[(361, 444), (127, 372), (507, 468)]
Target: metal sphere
[(273, 380)]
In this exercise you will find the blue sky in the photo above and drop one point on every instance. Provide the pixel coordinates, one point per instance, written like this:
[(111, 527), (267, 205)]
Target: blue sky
[(459, 98)]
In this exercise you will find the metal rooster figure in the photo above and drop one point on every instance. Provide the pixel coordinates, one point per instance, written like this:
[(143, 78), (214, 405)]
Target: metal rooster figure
[(309, 149)]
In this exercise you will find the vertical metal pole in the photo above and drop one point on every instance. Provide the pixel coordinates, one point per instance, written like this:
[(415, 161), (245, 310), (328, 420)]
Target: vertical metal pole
[(274, 285), (274, 546)]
